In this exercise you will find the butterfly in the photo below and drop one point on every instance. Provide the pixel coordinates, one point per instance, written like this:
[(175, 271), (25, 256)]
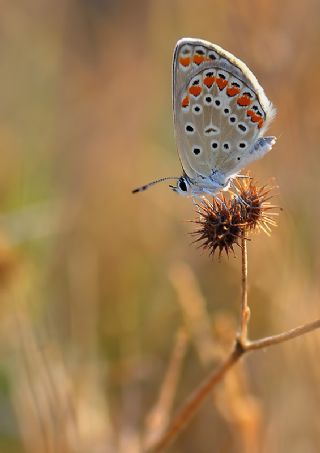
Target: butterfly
[(220, 116)]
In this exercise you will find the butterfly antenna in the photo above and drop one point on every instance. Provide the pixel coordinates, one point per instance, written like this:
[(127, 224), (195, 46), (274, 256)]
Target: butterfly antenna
[(152, 183)]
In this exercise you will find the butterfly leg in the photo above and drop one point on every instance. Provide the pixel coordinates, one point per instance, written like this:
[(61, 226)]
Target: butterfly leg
[(196, 206), (236, 193), (221, 202), (244, 176)]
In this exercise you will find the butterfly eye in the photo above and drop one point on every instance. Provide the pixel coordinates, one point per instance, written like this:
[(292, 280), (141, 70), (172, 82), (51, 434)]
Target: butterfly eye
[(182, 185)]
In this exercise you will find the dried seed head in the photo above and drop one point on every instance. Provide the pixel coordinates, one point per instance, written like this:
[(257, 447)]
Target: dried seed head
[(253, 201), (223, 222), (219, 225)]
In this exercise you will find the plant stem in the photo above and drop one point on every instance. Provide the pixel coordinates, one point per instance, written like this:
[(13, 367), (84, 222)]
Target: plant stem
[(194, 402), (245, 310), (282, 337)]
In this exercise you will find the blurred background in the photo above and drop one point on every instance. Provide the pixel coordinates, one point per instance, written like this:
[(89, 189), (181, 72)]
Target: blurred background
[(109, 316)]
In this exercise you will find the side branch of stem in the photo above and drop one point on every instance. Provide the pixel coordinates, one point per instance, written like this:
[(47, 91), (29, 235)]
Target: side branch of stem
[(194, 402)]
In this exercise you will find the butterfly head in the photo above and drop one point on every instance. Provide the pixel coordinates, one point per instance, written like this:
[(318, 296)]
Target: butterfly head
[(202, 186)]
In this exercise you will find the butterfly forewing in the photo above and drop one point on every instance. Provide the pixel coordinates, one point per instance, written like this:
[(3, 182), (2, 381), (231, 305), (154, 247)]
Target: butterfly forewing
[(220, 110)]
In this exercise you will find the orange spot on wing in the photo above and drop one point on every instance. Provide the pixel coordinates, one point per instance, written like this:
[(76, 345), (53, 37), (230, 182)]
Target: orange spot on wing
[(232, 91), (260, 124), (222, 83), (244, 100), (195, 90), (209, 81), (198, 59), (185, 102), (184, 61), (256, 118)]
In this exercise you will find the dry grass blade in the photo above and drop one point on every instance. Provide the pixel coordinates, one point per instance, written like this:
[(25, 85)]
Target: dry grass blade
[(158, 418)]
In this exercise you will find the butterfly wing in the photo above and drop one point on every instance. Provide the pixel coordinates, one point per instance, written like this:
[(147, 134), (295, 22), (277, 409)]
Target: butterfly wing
[(220, 110)]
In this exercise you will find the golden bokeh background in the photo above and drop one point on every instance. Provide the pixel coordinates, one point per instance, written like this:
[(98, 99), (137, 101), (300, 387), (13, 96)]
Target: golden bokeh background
[(102, 290)]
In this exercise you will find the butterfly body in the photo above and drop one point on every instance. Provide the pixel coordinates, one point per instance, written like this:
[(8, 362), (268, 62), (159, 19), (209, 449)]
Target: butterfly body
[(202, 185), (220, 116)]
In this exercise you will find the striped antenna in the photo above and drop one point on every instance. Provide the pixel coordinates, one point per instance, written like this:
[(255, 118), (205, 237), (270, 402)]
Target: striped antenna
[(150, 184)]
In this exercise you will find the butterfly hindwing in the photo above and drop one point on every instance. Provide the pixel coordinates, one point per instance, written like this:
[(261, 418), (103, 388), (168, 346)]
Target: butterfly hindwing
[(220, 110)]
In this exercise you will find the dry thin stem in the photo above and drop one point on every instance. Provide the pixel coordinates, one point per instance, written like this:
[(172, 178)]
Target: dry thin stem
[(245, 311), (157, 419), (194, 311), (194, 402), (282, 337)]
